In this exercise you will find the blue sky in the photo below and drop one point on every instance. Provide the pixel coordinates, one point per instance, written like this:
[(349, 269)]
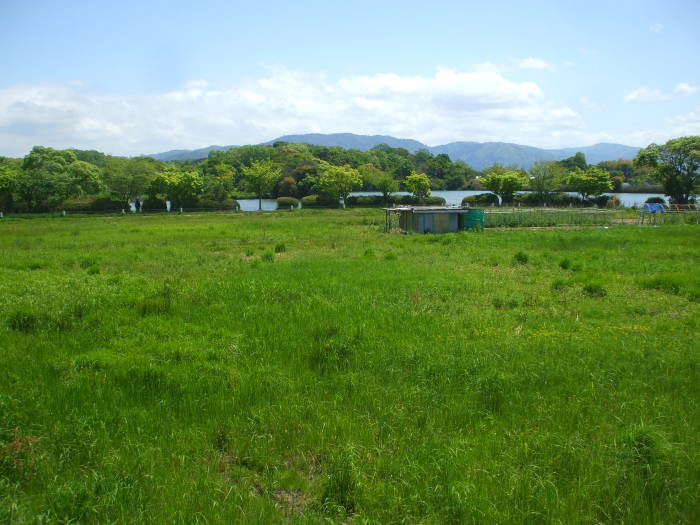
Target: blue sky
[(139, 77)]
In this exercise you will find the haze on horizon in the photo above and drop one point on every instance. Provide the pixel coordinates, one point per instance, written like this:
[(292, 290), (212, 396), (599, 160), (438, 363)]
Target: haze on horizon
[(127, 78)]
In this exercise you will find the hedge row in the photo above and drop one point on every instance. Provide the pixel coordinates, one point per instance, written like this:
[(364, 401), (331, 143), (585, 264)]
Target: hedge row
[(533, 199)]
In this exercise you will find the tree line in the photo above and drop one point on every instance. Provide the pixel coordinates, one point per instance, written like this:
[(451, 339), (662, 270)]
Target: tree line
[(48, 179)]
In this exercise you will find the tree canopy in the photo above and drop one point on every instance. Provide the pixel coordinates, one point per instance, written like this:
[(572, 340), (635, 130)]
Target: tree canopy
[(675, 165)]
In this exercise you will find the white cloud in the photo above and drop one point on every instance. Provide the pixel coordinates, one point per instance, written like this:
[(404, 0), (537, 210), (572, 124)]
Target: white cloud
[(448, 106), (644, 94), (656, 28), (686, 89), (686, 124), (534, 63)]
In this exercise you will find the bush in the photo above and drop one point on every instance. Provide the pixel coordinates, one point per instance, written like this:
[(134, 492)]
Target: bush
[(655, 200), (366, 201), (564, 199), (77, 205), (318, 201), (153, 203), (415, 201), (107, 204), (483, 199), (285, 203)]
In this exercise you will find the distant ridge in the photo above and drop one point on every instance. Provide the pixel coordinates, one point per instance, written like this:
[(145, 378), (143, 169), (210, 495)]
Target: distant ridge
[(478, 155)]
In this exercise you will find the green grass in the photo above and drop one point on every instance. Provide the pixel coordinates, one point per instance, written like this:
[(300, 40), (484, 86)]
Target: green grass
[(305, 367)]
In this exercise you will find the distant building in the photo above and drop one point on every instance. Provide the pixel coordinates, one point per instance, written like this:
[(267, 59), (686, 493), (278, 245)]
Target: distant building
[(433, 219)]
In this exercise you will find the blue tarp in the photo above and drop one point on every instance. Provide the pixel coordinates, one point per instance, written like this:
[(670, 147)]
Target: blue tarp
[(653, 207)]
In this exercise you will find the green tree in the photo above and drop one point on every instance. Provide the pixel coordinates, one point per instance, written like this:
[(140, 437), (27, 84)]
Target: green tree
[(181, 187), (86, 178), (545, 177), (127, 178), (418, 184), (503, 182), (576, 161), (45, 178), (260, 178), (338, 181), (590, 183), (8, 185), (675, 165)]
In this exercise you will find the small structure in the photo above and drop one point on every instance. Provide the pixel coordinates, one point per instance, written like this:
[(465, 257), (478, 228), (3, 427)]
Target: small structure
[(651, 209), (434, 219)]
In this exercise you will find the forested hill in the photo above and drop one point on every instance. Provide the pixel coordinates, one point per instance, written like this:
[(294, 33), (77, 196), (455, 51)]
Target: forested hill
[(478, 155)]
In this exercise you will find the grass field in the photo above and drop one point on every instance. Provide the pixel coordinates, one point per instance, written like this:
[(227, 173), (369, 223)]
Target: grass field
[(305, 367)]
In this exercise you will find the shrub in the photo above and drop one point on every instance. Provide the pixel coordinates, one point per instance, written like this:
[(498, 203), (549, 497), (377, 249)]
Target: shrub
[(285, 203), (365, 201), (520, 258), (318, 201), (153, 203), (564, 199), (77, 205), (655, 200), (483, 199), (107, 204), (412, 200)]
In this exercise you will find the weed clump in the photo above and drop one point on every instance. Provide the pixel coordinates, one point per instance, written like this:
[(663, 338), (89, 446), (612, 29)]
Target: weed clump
[(342, 489), (594, 290), (160, 303), (504, 304), (23, 320), (559, 284), (390, 256), (267, 257), (520, 258), (87, 262), (565, 264), (280, 248), (94, 269)]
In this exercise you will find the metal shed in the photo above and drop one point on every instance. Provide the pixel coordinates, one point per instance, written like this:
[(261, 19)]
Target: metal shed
[(433, 219)]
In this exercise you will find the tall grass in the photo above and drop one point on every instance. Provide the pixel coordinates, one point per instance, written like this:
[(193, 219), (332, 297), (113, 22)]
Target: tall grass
[(514, 376)]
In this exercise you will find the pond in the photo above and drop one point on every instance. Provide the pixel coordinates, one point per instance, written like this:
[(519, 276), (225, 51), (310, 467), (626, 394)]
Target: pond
[(453, 198)]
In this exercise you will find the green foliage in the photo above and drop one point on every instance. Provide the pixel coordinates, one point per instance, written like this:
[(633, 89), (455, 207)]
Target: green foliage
[(545, 178), (418, 184), (594, 290), (503, 182), (260, 178), (520, 258), (285, 203), (676, 165), (577, 161), (338, 181), (181, 188), (484, 199), (590, 183), (341, 491)]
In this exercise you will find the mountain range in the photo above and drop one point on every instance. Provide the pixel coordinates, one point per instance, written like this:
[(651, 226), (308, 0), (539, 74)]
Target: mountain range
[(478, 155)]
